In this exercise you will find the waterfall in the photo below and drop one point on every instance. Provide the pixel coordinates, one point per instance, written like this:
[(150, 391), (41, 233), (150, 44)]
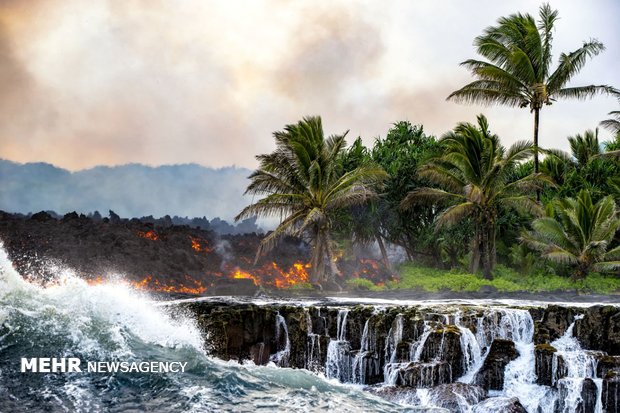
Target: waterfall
[(415, 351), (338, 363), (360, 362), (282, 355), (425, 367), (472, 357), (394, 337), (313, 351), (341, 323), (579, 365), (520, 374)]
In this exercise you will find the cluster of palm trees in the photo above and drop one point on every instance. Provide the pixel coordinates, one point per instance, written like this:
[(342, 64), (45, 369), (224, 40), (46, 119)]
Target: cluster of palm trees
[(475, 177)]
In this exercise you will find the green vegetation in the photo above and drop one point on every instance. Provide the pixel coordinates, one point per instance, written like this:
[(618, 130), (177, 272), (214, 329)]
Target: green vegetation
[(363, 284), (505, 280), (578, 233), (464, 202), (613, 124), (477, 174)]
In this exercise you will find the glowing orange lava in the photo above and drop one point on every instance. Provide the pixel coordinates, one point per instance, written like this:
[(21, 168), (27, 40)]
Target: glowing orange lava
[(149, 283), (197, 246), (242, 274), (148, 235)]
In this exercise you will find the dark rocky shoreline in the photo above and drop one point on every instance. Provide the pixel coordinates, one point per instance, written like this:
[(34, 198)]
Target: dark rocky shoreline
[(94, 248), (249, 331)]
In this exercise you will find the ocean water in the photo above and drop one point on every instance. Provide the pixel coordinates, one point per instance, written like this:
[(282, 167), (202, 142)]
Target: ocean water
[(110, 322), (113, 323)]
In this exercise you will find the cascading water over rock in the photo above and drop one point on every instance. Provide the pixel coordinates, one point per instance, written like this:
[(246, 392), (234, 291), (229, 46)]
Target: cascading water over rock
[(475, 358), (465, 358)]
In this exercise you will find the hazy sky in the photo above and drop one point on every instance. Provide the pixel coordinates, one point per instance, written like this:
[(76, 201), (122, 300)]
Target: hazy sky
[(116, 81)]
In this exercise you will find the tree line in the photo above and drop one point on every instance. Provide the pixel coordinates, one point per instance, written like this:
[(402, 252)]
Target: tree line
[(463, 199)]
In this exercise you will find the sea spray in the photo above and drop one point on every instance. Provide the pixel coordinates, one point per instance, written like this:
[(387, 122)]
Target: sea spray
[(112, 323)]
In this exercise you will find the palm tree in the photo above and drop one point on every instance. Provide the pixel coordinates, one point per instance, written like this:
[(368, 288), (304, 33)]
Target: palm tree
[(578, 233), (519, 73), (477, 173), (613, 124), (589, 165), (585, 148), (304, 186)]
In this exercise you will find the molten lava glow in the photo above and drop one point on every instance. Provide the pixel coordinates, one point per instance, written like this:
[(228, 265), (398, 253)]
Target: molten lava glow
[(295, 275), (148, 235), (149, 283), (369, 269), (197, 246), (268, 275), (242, 274)]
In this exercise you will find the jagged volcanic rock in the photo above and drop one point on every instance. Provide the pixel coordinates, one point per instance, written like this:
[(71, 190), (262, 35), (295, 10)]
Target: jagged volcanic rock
[(170, 255), (544, 364), (491, 374)]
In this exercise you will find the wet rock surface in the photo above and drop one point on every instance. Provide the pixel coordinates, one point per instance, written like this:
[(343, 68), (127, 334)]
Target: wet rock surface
[(544, 364), (402, 350), (500, 405), (457, 397), (491, 374), (599, 329), (611, 395)]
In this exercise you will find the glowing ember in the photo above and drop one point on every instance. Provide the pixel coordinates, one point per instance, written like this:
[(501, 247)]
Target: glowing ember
[(197, 246), (270, 275), (148, 235), (242, 274), (295, 275), (149, 283)]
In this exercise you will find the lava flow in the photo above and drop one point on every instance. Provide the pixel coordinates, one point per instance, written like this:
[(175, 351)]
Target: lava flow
[(210, 267), (272, 275), (199, 245), (152, 235)]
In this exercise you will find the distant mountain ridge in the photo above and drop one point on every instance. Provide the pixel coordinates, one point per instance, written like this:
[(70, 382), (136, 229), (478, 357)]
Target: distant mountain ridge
[(131, 190)]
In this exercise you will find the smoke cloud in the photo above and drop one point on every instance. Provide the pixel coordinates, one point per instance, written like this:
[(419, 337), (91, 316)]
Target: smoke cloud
[(113, 82)]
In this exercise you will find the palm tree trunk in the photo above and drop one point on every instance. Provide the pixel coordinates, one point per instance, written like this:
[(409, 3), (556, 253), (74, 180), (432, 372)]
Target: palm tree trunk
[(475, 256), (474, 265), (536, 168), (493, 244), (384, 256), (318, 268), (331, 264), (486, 254)]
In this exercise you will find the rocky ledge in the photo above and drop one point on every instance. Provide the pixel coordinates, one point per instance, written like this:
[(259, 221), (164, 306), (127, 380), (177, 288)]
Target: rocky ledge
[(458, 352)]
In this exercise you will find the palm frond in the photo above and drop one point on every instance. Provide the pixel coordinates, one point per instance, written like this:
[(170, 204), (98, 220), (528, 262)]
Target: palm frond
[(454, 214), (428, 195), (583, 92), (487, 93), (523, 204), (572, 63)]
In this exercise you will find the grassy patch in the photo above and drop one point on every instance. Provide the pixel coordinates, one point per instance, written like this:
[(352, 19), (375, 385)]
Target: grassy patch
[(505, 279), (363, 284), (300, 287)]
